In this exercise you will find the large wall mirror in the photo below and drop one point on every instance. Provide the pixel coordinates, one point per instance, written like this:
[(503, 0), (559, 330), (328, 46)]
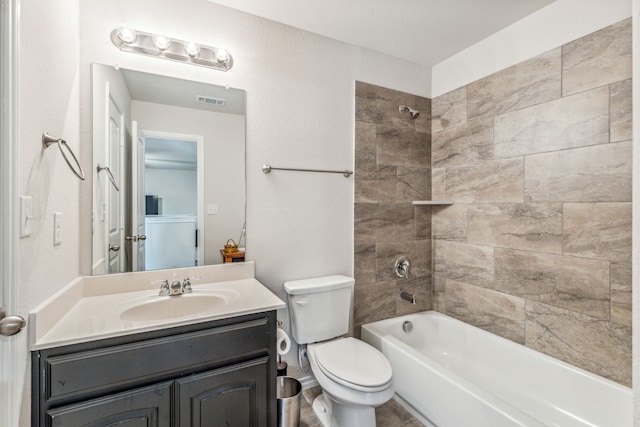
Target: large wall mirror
[(169, 171)]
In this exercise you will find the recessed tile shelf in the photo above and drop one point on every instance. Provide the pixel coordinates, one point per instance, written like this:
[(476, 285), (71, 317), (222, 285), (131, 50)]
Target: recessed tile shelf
[(433, 202)]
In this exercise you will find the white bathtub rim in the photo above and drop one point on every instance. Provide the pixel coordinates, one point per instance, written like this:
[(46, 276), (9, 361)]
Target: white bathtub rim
[(577, 369)]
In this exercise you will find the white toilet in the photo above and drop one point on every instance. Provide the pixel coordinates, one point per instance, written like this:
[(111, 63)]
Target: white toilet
[(354, 376)]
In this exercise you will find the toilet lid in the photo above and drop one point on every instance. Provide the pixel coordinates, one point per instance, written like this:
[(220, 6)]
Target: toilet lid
[(353, 362)]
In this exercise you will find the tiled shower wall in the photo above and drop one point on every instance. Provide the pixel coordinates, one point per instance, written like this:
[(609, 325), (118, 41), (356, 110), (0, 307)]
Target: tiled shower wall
[(392, 169), (537, 247)]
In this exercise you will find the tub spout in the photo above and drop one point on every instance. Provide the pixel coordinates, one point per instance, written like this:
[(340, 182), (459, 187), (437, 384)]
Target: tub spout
[(408, 297)]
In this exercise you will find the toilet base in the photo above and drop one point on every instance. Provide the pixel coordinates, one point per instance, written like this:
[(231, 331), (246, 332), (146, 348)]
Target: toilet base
[(332, 414)]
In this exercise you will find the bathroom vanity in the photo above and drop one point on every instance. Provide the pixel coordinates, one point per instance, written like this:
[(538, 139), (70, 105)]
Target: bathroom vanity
[(214, 369)]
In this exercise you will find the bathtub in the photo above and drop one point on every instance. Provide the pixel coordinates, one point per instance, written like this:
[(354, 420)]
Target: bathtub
[(456, 375)]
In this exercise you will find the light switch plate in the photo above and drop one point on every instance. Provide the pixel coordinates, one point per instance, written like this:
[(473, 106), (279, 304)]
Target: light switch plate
[(57, 228)]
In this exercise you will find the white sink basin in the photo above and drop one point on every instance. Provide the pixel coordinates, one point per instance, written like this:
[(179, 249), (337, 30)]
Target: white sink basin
[(169, 307)]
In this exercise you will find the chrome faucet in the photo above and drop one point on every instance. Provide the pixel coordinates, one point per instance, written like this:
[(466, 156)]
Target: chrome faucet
[(408, 297), (176, 288)]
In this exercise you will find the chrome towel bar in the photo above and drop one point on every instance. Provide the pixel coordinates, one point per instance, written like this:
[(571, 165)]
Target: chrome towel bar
[(47, 140), (268, 168)]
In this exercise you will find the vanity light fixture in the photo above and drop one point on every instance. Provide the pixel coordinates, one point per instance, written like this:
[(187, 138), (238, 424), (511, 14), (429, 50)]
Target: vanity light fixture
[(161, 42), (130, 40)]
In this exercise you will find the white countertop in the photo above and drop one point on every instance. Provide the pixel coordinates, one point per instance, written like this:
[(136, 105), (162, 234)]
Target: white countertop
[(91, 308)]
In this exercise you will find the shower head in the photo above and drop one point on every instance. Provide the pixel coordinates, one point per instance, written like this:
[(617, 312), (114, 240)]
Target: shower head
[(414, 113)]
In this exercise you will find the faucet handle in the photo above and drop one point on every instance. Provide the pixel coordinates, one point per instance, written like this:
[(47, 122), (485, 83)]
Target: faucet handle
[(186, 284), (164, 286)]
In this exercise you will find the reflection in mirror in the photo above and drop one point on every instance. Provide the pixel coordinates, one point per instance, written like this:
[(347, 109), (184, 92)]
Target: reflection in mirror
[(169, 170)]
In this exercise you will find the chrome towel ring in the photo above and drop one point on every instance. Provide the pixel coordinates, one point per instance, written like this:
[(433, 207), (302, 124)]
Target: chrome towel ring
[(47, 140), (109, 175)]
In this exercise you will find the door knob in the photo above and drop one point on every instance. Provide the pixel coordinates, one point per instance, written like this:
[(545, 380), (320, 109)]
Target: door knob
[(11, 325), (142, 237), (132, 238), (114, 248)]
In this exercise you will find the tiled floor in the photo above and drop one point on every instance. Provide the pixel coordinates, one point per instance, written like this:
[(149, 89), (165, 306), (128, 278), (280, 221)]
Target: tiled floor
[(391, 414)]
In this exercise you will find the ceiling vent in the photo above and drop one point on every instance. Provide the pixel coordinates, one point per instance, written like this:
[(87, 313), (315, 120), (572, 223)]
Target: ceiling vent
[(210, 100)]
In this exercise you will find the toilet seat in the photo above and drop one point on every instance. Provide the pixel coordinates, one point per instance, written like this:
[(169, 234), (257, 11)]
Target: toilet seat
[(354, 364)]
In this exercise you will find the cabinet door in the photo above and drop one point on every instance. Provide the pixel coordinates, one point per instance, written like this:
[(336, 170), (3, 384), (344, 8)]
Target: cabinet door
[(143, 407), (234, 396)]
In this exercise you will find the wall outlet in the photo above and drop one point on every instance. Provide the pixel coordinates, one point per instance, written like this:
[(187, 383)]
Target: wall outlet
[(212, 209), (57, 228), (26, 215)]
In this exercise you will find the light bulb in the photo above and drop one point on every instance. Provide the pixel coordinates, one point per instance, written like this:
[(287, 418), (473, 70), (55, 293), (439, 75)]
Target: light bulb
[(222, 55), (192, 48), (161, 42), (127, 35)]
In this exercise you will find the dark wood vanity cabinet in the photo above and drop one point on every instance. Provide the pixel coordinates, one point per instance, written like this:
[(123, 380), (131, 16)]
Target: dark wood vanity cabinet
[(219, 373)]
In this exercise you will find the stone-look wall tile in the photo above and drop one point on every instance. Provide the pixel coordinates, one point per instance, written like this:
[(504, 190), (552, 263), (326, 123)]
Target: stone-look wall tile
[(364, 262), (413, 184), (375, 184), (598, 230), (586, 342), (379, 222), (601, 173), (597, 59), (365, 150), (423, 123), (572, 121), (374, 301), (621, 284), (449, 222), (438, 300), (439, 278), (449, 110), (392, 169), (499, 181), (531, 82), (418, 252), (492, 311), (465, 263), (469, 143), (422, 220), (534, 227), (379, 106), (421, 288), (576, 284), (621, 111), (438, 190), (402, 148)]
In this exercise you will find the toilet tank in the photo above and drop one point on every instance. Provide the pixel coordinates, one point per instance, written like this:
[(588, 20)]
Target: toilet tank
[(320, 308)]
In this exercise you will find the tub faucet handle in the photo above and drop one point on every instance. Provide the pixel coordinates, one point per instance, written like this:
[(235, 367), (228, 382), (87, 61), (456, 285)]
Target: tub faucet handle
[(403, 267)]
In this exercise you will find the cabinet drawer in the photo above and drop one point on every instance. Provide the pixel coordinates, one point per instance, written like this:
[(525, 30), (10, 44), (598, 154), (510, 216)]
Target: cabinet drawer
[(140, 362), (149, 407)]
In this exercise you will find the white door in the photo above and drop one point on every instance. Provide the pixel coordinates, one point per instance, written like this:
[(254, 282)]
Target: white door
[(138, 202), (12, 348), (114, 221)]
